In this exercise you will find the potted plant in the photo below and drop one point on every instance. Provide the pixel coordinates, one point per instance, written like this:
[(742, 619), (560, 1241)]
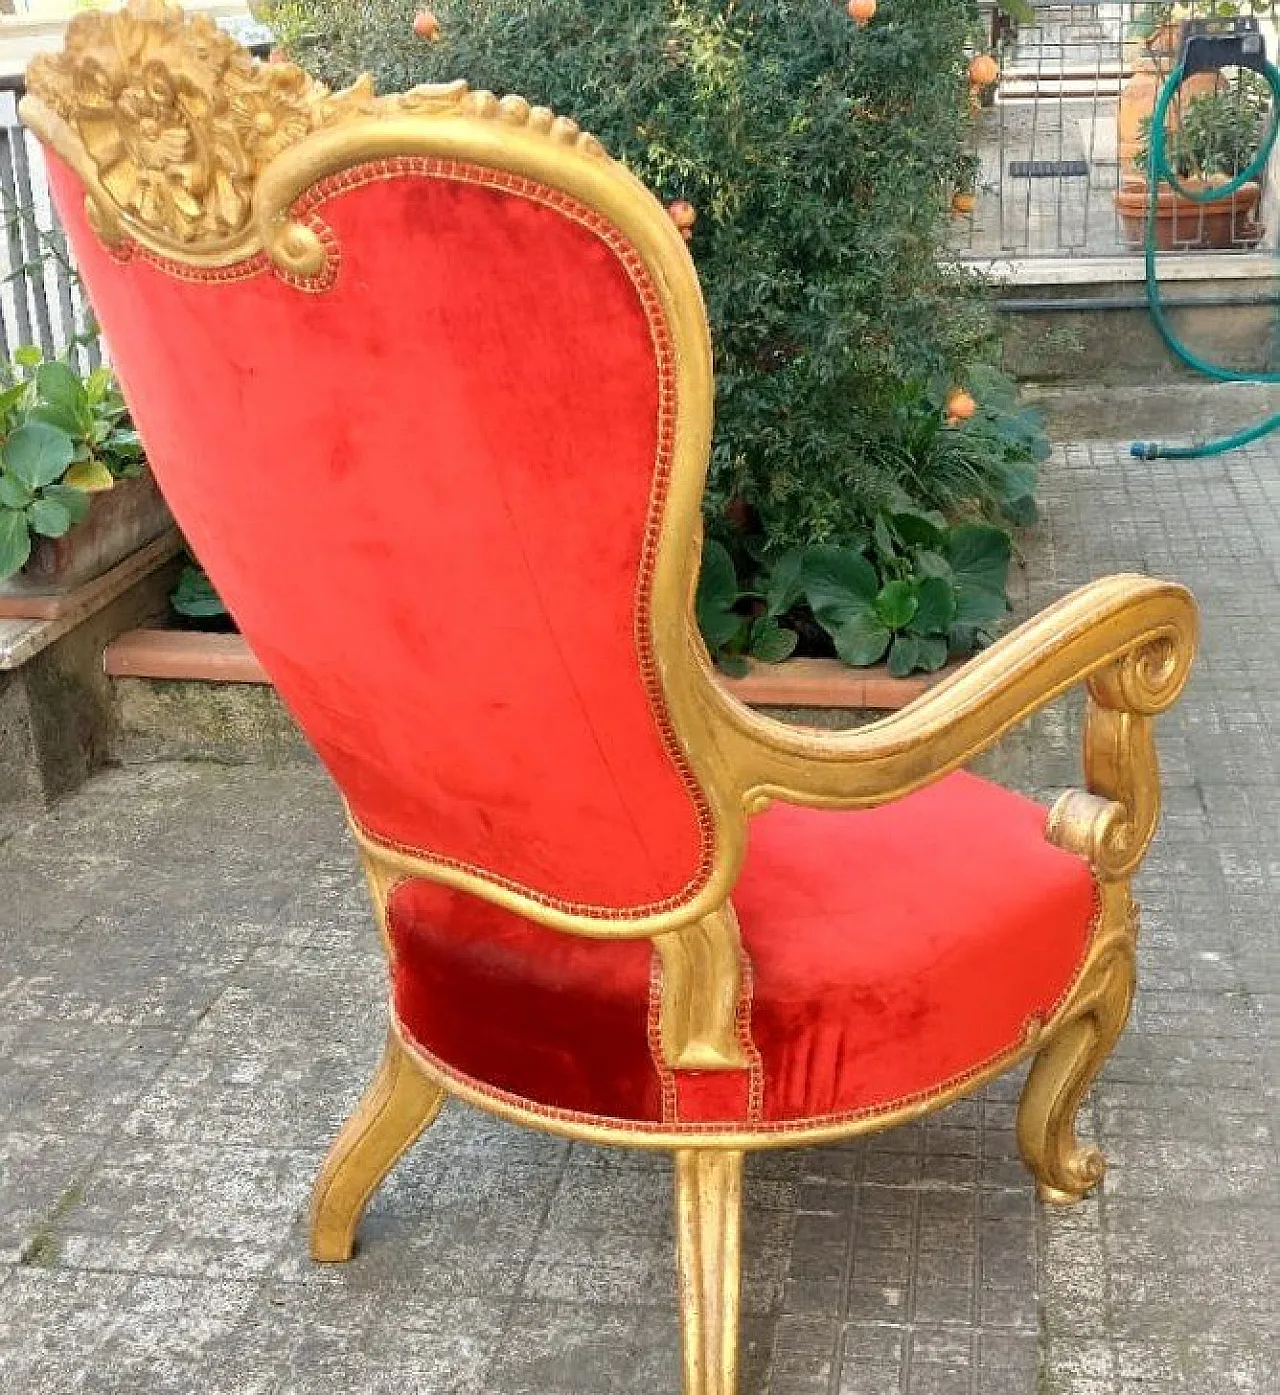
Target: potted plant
[(1153, 52), (75, 495), (1217, 138)]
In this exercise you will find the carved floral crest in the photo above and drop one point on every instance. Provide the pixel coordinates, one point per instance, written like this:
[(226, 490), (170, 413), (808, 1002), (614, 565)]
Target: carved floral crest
[(178, 121)]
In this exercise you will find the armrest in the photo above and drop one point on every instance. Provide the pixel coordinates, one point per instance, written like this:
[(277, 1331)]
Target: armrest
[(1130, 638)]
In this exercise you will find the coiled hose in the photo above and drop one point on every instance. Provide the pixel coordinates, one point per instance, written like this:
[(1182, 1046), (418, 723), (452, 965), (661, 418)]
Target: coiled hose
[(1161, 171)]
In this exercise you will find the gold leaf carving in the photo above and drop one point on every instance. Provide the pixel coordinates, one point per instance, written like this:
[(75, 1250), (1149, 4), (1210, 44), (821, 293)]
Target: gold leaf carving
[(178, 121)]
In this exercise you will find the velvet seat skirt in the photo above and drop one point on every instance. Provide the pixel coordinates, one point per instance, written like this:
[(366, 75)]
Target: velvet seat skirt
[(892, 954)]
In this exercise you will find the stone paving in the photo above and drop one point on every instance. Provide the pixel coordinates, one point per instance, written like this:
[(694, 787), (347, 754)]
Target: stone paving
[(190, 1003)]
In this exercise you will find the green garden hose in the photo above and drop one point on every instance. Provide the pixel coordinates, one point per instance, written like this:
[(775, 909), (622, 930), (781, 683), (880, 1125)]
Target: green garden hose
[(1161, 171)]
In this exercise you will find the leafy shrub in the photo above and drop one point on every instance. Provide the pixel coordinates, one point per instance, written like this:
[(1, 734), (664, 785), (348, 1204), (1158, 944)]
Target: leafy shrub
[(820, 158), (64, 438)]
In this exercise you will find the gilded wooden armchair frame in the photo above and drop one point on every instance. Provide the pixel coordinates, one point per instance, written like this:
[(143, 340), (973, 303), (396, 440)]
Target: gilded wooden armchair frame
[(1128, 639)]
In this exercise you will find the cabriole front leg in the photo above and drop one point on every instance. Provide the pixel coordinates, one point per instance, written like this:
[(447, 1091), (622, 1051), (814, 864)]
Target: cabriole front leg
[(1079, 1043), (399, 1103)]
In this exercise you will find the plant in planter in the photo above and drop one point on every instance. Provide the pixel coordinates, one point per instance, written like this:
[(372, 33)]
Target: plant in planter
[(1217, 138), (1156, 42), (912, 589), (65, 438)]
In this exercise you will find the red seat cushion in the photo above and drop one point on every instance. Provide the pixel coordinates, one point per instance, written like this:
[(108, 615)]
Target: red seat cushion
[(893, 952)]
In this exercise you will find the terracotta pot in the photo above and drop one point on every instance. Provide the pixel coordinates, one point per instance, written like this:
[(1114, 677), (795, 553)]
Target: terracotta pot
[(1154, 62), (120, 521), (1182, 225)]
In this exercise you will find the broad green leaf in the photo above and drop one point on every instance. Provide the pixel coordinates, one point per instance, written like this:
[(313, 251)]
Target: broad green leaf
[(838, 582), (60, 387), (896, 605), (977, 606), (918, 529), (49, 517), (75, 501), (38, 453), (13, 493), (771, 642), (932, 652), (936, 608), (718, 580), (719, 627), (57, 414), (733, 664), (92, 476), (933, 564), (979, 555), (904, 654), (27, 356), (15, 542), (195, 597), (785, 586), (861, 640)]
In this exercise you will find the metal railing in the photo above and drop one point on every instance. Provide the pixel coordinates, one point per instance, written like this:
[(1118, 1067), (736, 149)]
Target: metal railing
[(1054, 148), (41, 302)]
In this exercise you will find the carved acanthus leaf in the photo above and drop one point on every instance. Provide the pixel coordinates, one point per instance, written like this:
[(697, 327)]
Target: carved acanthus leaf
[(179, 120)]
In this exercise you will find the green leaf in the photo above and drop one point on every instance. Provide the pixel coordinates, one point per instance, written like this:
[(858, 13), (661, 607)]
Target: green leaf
[(978, 607), (979, 555), (194, 595), (57, 414), (76, 502), (918, 529), (933, 650), (38, 453), (896, 604), (904, 654), (936, 609), (49, 517), (771, 642), (58, 386), (27, 356), (13, 493), (733, 664), (933, 564), (15, 542), (718, 580), (861, 640), (838, 582), (786, 585)]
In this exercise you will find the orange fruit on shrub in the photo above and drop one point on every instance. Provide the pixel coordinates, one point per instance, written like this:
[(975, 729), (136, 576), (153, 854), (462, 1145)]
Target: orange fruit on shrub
[(961, 406), (983, 71), (683, 214), (427, 26), (861, 11), (963, 202)]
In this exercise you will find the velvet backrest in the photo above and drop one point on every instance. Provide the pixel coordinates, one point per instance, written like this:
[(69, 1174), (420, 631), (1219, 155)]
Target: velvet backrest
[(431, 490)]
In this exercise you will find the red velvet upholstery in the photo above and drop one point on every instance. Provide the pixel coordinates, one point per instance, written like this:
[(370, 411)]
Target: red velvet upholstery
[(892, 952), (429, 495)]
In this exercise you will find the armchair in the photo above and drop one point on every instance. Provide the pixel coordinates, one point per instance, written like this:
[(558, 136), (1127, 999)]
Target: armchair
[(427, 381)]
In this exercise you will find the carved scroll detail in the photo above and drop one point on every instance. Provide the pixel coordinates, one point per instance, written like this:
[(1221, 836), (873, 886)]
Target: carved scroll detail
[(172, 122), (1083, 1036)]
